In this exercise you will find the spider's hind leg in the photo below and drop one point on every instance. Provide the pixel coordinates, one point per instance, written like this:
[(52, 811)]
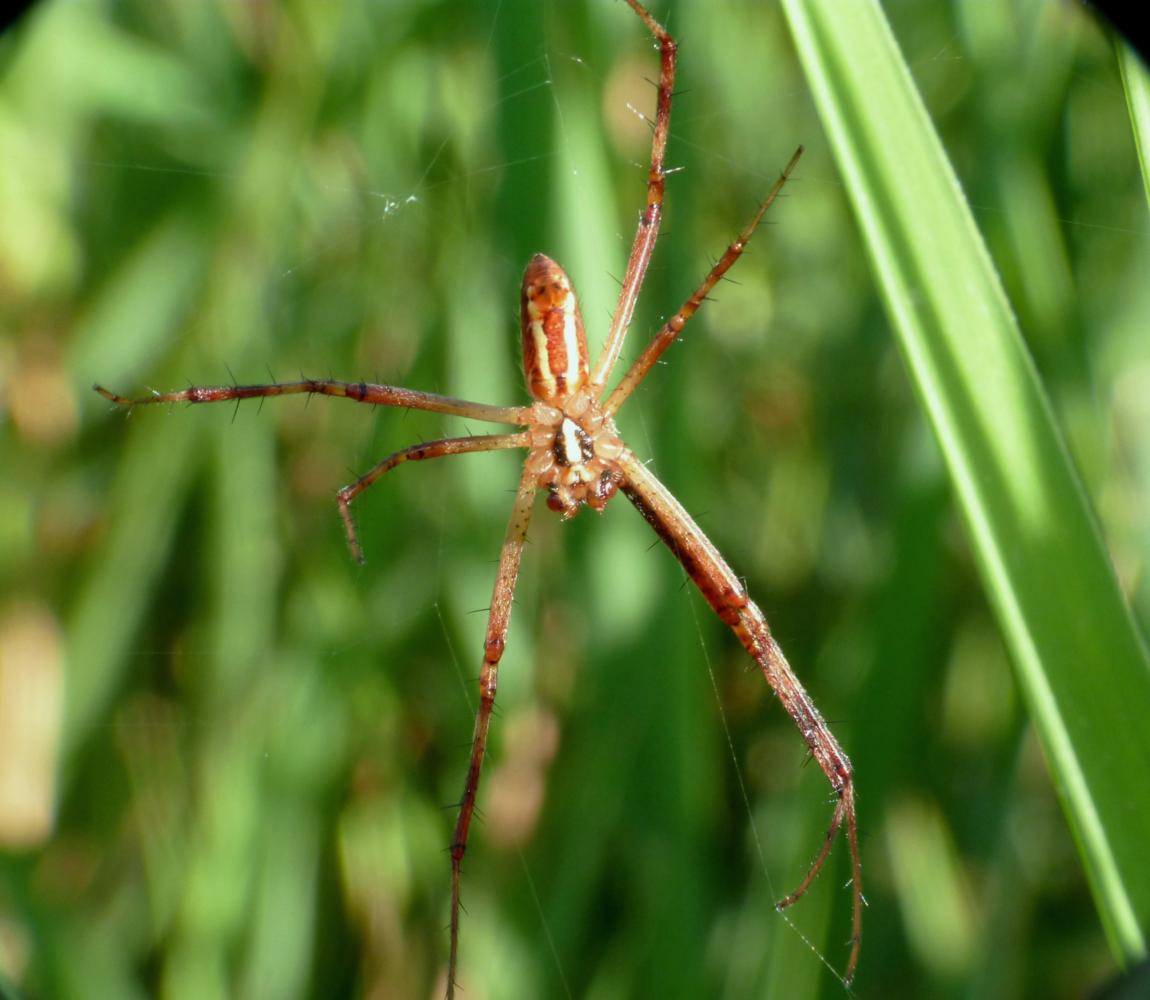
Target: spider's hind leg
[(493, 646)]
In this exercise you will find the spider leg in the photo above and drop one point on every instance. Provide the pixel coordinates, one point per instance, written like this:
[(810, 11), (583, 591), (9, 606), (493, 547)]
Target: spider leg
[(652, 215), (415, 453), (493, 645), (728, 597), (756, 637), (674, 326), (358, 392)]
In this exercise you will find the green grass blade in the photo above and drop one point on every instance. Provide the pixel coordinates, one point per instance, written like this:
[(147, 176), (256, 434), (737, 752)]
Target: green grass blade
[(1136, 84), (1077, 655)]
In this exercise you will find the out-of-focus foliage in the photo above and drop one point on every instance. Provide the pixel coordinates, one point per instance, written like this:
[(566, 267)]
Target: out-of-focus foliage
[(228, 753)]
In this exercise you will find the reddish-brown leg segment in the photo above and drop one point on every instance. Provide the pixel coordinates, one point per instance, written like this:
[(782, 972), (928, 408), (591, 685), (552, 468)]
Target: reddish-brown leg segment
[(357, 392), (727, 595), (648, 230), (493, 645), (674, 326), (416, 453)]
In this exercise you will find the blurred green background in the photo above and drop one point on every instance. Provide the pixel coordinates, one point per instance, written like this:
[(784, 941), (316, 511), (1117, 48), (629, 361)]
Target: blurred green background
[(228, 754)]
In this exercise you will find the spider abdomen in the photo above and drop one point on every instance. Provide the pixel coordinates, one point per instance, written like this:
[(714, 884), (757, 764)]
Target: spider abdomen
[(554, 344)]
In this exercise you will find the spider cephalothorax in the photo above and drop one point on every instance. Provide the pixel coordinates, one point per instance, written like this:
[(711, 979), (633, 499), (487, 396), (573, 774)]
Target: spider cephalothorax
[(574, 444)]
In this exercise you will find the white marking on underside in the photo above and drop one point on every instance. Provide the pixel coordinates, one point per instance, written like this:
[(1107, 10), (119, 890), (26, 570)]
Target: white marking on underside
[(570, 439)]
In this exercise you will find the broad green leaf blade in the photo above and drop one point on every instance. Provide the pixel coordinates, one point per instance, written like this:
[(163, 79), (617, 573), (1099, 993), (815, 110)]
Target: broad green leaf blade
[(1078, 657)]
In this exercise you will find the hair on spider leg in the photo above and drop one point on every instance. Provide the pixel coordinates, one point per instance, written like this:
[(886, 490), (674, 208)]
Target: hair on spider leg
[(463, 906), (456, 803), (649, 122)]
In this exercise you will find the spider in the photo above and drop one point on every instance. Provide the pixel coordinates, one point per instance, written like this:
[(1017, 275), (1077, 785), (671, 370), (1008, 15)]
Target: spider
[(576, 457)]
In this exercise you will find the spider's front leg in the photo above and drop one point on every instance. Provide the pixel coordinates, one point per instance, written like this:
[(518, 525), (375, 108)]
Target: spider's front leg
[(372, 393), (493, 646)]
